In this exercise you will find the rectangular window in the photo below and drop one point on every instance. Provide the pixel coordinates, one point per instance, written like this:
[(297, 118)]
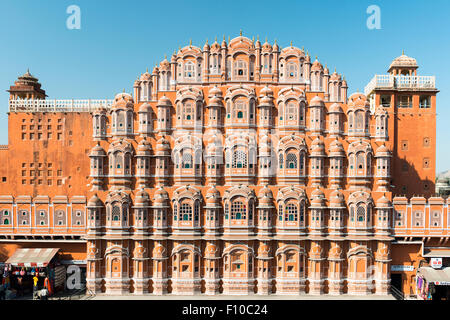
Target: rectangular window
[(404, 145), (404, 101), (385, 101), (425, 102)]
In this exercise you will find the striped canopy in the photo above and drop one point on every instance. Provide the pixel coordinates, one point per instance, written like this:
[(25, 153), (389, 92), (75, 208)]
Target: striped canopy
[(35, 257)]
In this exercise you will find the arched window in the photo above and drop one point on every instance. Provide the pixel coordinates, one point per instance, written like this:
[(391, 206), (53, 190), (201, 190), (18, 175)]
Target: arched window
[(6, 221), (359, 121), (360, 213), (240, 68), (121, 121), (175, 212), (239, 159), (302, 211), (186, 160), (280, 160), (197, 211), (291, 111), (189, 70), (186, 212), (115, 213), (291, 69), (280, 212), (238, 210), (291, 212), (240, 110), (291, 161), (360, 161), (188, 111)]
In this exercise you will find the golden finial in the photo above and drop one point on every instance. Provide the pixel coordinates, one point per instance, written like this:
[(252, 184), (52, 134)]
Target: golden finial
[(403, 52), (303, 48), (179, 48), (334, 69), (228, 39), (223, 37), (215, 39), (257, 37), (253, 39), (316, 57), (291, 43), (146, 70), (190, 42), (206, 40), (165, 56), (240, 32), (266, 38), (307, 52), (275, 41), (123, 90)]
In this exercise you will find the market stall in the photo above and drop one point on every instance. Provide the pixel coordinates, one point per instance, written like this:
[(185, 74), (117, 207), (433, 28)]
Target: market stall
[(30, 266), (433, 284)]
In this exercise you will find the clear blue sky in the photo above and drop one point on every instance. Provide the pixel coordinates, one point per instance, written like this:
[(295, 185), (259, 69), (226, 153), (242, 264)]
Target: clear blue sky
[(118, 40)]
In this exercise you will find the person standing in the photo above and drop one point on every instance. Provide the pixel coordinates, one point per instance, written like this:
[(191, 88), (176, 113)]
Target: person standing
[(35, 285)]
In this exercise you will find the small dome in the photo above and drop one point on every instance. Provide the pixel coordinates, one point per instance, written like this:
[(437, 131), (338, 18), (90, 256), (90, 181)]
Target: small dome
[(337, 199), (144, 147), (266, 91), (95, 201), (266, 47), (123, 100), (317, 197), (160, 196), (142, 197), (335, 108), (145, 76), (155, 70), (164, 102), (145, 107), (336, 148), (212, 196), (275, 46), (164, 65), (97, 151), (358, 100), (265, 192), (317, 146), (335, 76), (263, 249), (326, 70), (162, 145), (215, 102), (215, 91), (316, 101), (100, 110), (316, 66), (403, 61), (265, 101), (382, 151), (383, 202)]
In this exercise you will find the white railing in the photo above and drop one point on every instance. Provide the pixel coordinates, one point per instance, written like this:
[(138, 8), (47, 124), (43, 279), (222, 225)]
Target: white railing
[(39, 105), (380, 81)]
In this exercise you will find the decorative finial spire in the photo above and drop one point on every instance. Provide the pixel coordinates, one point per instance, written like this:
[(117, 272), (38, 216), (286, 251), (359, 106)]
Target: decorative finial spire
[(403, 52), (146, 70), (257, 37), (123, 90), (223, 37), (253, 39), (206, 40), (240, 32), (275, 41), (334, 69), (316, 57), (215, 39), (303, 48), (266, 38), (291, 43), (228, 39), (190, 42), (165, 56)]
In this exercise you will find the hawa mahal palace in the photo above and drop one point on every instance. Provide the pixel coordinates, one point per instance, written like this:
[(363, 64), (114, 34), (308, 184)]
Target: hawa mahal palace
[(236, 168)]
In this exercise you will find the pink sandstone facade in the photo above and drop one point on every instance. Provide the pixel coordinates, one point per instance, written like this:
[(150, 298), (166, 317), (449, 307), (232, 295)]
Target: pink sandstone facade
[(238, 168)]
